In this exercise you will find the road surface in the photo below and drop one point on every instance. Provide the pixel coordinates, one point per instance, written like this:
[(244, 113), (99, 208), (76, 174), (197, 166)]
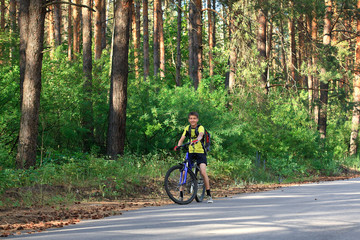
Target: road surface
[(324, 211)]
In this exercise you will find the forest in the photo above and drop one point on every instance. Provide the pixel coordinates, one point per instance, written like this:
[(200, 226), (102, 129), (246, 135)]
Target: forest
[(96, 93)]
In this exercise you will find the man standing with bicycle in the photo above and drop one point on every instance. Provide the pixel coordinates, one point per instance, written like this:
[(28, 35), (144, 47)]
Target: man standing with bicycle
[(196, 149)]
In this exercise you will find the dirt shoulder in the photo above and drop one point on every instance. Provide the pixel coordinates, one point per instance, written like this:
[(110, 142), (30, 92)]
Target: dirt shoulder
[(30, 220)]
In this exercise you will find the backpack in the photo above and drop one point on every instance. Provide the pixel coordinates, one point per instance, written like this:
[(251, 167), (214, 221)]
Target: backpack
[(205, 141)]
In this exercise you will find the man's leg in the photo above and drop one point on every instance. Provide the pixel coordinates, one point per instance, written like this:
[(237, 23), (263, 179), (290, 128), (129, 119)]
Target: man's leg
[(204, 175)]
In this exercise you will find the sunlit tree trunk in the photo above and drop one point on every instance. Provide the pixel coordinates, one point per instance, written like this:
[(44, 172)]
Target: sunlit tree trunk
[(76, 28), (292, 52), (26, 156), (324, 85), (356, 93), (157, 7), (51, 29), (178, 48), (314, 35), (232, 58), (87, 108), (195, 42), (12, 15), (118, 92), (309, 63), (70, 32), (261, 46), (146, 38), (301, 52), (24, 29), (98, 29), (136, 35), (283, 52), (210, 38), (162, 43), (269, 49)]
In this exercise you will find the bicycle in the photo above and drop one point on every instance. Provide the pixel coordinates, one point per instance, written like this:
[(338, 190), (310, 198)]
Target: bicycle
[(185, 177)]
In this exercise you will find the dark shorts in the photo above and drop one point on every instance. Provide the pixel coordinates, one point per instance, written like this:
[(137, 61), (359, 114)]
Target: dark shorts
[(199, 157)]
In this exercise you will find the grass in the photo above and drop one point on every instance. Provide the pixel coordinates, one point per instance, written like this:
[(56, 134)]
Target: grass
[(87, 178)]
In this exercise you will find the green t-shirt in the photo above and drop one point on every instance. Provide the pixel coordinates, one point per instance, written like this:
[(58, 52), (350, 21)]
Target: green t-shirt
[(197, 148)]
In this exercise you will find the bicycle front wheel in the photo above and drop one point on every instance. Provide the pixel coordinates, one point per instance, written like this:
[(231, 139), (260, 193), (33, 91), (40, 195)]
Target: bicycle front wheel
[(201, 187), (173, 186)]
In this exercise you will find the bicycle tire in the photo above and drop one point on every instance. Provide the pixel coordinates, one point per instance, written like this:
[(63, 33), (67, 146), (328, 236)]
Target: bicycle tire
[(200, 194), (172, 185)]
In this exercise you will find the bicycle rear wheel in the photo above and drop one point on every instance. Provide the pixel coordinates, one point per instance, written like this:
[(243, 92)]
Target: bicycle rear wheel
[(201, 187), (173, 186)]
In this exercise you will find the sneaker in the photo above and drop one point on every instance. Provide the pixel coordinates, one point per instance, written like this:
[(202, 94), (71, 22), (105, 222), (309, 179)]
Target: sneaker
[(209, 199)]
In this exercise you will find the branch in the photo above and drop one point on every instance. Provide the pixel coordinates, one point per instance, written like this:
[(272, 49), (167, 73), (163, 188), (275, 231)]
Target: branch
[(70, 3), (213, 10)]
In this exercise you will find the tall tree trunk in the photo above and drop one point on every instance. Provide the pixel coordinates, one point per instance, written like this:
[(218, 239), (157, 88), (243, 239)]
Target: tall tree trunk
[(51, 29), (324, 85), (178, 48), (309, 63), (87, 108), (98, 29), (76, 28), (162, 43), (195, 42), (24, 29), (103, 23), (157, 7), (211, 38), (12, 13), (136, 35), (118, 93), (269, 49), (26, 156), (301, 52), (146, 38), (57, 23), (214, 24), (233, 57), (283, 52), (261, 46), (292, 51), (314, 35), (2, 19), (356, 94), (70, 32)]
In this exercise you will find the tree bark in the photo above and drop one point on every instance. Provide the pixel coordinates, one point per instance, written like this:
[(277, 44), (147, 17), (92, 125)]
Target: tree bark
[(283, 52), (356, 93), (261, 46), (98, 29), (269, 50), (87, 108), (210, 39), (157, 6), (70, 32), (103, 23), (146, 39), (325, 83), (26, 156), (178, 48), (118, 93), (309, 63), (51, 29), (57, 24), (314, 35), (136, 35), (161, 41), (2, 19), (76, 28), (24, 29), (195, 42), (301, 52), (233, 57), (292, 56)]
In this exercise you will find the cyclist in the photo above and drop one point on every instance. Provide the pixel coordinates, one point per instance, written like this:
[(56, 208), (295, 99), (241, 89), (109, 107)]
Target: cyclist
[(196, 150)]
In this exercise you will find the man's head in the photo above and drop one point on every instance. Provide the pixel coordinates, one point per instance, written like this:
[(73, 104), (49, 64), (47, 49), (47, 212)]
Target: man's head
[(193, 118)]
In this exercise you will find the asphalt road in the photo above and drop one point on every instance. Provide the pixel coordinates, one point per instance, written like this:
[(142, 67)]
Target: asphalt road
[(324, 211)]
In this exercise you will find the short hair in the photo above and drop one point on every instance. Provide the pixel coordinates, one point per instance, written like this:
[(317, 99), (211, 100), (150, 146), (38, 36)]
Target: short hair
[(193, 114)]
